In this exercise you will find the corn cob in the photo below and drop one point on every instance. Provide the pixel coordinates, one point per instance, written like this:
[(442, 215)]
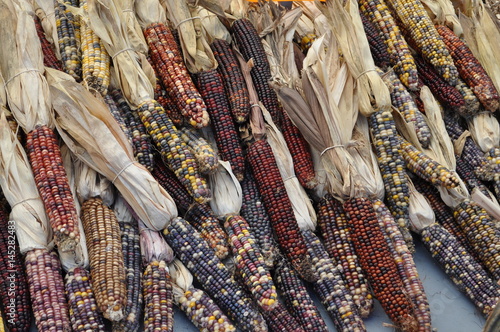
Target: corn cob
[(205, 155), (119, 115), (375, 258), (52, 183), (106, 258), (462, 268), (14, 298), (279, 319), (174, 151), (68, 40), (133, 267), (201, 260), (255, 214), (466, 173), (250, 263), (405, 265), (2, 323), (481, 233), (399, 53), (470, 69), (421, 34), (426, 168), (279, 208), (234, 82), (493, 159), (331, 287), (46, 285), (296, 298), (49, 57), (200, 216), (141, 140), (306, 42), (81, 300), (210, 85), (202, 311), (251, 48), (158, 297), (391, 163), (472, 103), (378, 48), (333, 226), (173, 74)]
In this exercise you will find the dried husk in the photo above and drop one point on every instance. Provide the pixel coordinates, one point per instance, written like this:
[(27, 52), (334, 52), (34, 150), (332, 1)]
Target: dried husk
[(490, 204), (182, 279), (442, 12), (420, 211), (135, 35), (91, 184), (153, 246), (122, 210), (45, 10), (321, 176), (227, 193), (213, 26), (485, 130), (94, 136), (314, 15)]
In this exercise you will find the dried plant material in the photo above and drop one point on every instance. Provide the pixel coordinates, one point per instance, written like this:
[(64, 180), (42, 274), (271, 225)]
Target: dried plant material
[(421, 213), (442, 12), (45, 10), (153, 246), (485, 130), (180, 16), (135, 35), (314, 15), (228, 195), (213, 26), (181, 277), (490, 204), (91, 184)]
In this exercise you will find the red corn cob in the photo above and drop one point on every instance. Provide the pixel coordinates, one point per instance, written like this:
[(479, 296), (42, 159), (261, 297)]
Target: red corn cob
[(158, 298), (279, 320), (49, 56)]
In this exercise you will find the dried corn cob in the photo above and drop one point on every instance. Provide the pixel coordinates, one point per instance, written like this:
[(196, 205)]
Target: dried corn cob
[(158, 297), (210, 85), (49, 56), (279, 208), (234, 82), (174, 151), (334, 228), (43, 271), (331, 289), (106, 258), (481, 233), (68, 40), (279, 319), (205, 155), (81, 300), (466, 173), (472, 103), (173, 74), (405, 265), (377, 46), (119, 115), (375, 258), (462, 268), (423, 36), (250, 263), (493, 159), (399, 53), (470, 69), (52, 183), (296, 298), (201, 260), (426, 168)]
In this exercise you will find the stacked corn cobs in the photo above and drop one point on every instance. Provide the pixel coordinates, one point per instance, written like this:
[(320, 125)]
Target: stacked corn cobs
[(350, 237)]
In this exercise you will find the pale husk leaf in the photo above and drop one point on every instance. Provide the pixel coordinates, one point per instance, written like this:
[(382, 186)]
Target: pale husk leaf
[(91, 184), (134, 31), (45, 10), (442, 12), (321, 176), (122, 210), (237, 9), (226, 189), (149, 12), (94, 136), (420, 211), (213, 25), (485, 130), (179, 14), (453, 197), (182, 279), (204, 58), (490, 204), (153, 246), (318, 19)]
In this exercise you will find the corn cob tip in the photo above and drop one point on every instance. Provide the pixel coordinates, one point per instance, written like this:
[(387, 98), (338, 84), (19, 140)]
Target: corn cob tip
[(304, 269), (112, 314), (67, 244)]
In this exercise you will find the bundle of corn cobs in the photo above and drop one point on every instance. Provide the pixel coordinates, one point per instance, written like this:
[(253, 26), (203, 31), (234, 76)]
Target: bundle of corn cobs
[(222, 156)]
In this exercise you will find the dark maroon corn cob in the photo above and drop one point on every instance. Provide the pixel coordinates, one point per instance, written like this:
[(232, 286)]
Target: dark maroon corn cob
[(211, 87), (49, 56), (158, 298), (279, 320), (377, 45)]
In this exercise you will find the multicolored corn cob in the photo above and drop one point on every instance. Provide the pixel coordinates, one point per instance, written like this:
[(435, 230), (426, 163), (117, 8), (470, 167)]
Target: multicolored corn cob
[(81, 300), (119, 115), (377, 46), (158, 298), (493, 159), (49, 56), (205, 155), (334, 228), (371, 246), (466, 173), (107, 270), (306, 41), (470, 69), (46, 285), (173, 73), (68, 39), (52, 183), (472, 103), (279, 319), (234, 82), (296, 298), (201, 260), (279, 208)]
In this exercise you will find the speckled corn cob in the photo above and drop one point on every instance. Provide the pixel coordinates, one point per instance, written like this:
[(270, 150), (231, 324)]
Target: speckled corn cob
[(472, 104), (334, 228), (201, 260), (392, 166), (119, 115), (52, 183), (296, 298), (173, 150), (466, 173), (203, 312), (68, 40), (234, 82), (405, 265), (279, 319), (49, 57), (462, 269), (106, 258), (158, 298), (250, 263), (482, 233), (81, 300), (493, 159), (414, 20), (470, 69), (331, 288), (306, 41), (426, 168), (46, 285), (205, 155), (376, 260), (377, 46), (399, 53), (279, 208), (174, 75)]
